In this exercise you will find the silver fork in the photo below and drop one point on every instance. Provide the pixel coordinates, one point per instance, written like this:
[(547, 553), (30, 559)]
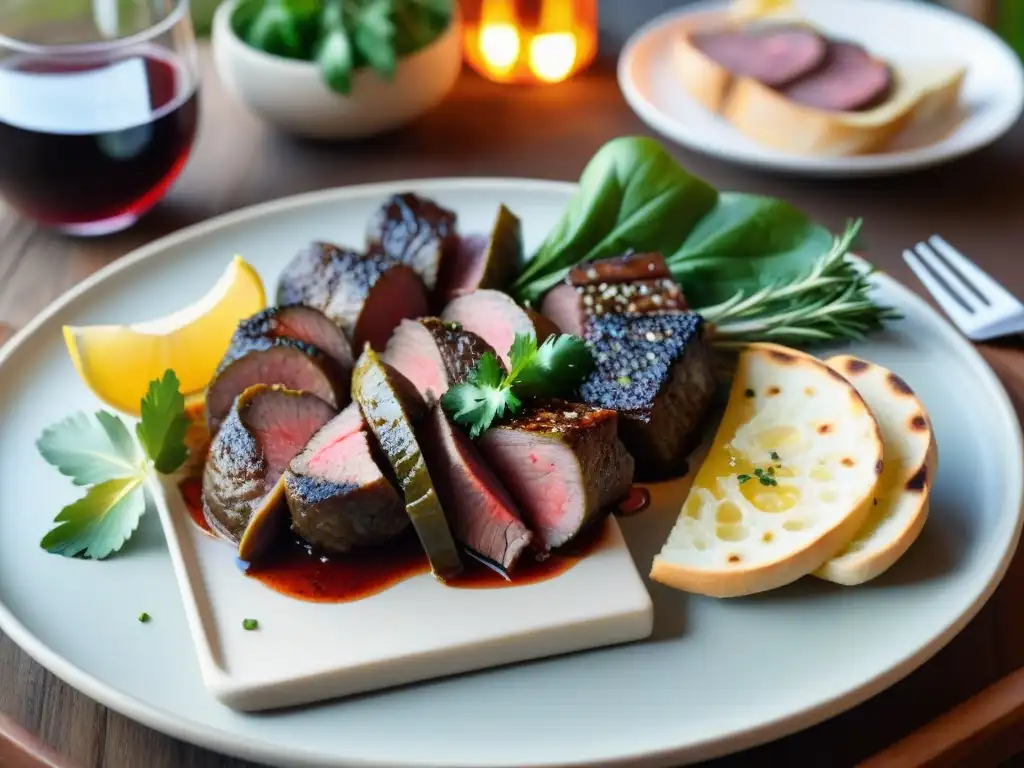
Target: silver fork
[(980, 307)]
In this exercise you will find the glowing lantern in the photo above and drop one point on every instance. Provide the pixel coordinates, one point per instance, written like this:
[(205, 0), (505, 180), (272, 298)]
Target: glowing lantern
[(529, 41)]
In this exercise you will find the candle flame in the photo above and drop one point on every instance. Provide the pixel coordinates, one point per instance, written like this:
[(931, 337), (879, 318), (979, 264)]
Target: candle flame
[(499, 44), (552, 56)]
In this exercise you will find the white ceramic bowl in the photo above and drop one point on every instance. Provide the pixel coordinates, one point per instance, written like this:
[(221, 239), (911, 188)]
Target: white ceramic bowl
[(292, 96)]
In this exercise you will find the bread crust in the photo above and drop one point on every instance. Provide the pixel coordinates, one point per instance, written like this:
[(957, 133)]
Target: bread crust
[(922, 92)]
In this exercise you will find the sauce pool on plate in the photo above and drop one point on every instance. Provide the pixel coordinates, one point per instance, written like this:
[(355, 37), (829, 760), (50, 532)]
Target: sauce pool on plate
[(295, 570)]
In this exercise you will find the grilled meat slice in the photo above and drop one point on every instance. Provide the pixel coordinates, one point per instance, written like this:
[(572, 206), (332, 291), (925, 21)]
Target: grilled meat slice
[(484, 261), (415, 231), (380, 398), (562, 462), (433, 354), (656, 372), (265, 428), (638, 283), (301, 322), (291, 363), (337, 494), (483, 516), (365, 294), (496, 318)]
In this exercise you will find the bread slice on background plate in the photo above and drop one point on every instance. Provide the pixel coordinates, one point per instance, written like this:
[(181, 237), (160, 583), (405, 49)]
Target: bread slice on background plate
[(922, 91), (904, 490), (795, 422)]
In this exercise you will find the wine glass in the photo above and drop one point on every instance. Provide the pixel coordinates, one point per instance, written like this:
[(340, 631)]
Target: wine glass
[(98, 108)]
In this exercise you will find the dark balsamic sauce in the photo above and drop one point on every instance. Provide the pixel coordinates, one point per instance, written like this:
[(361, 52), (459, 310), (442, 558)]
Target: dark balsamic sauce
[(296, 570), (638, 500), (191, 489)]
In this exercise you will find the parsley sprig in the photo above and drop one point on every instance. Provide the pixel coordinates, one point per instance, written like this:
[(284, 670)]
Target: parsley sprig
[(554, 368), (98, 451)]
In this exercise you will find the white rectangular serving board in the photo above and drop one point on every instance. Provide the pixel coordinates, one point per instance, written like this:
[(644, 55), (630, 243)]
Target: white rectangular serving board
[(419, 629)]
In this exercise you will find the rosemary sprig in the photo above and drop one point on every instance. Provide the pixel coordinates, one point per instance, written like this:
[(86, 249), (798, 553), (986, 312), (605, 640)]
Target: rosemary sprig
[(830, 303)]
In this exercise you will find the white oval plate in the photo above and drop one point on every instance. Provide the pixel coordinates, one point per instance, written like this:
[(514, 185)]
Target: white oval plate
[(716, 676), (991, 101)]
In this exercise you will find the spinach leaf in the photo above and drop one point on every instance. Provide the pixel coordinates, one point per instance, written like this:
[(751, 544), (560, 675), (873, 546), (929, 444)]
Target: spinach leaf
[(334, 55), (744, 244), (280, 27), (373, 37), (632, 196), (419, 22)]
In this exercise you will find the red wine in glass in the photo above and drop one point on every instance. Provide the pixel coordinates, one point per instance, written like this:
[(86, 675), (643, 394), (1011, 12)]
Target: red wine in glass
[(92, 136)]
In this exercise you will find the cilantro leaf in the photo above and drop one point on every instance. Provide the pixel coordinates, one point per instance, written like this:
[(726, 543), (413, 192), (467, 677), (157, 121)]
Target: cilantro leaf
[(90, 450), (482, 398), (100, 522), (488, 372), (557, 367), (524, 347), (101, 454), (161, 431)]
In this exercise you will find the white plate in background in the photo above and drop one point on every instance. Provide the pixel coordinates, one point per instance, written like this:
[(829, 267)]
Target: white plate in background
[(715, 676), (991, 99)]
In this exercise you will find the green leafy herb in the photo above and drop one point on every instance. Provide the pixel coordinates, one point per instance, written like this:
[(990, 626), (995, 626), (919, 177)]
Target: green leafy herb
[(755, 267), (742, 478), (774, 456), (250, 624), (831, 301), (632, 196), (342, 36), (144, 617), (161, 430), (554, 368), (482, 398), (99, 452), (558, 365)]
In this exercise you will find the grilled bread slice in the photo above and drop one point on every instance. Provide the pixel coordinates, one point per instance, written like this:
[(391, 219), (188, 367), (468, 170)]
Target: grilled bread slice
[(788, 480), (908, 469), (924, 92)]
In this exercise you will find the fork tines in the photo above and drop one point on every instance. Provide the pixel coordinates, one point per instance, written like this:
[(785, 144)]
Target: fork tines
[(979, 305)]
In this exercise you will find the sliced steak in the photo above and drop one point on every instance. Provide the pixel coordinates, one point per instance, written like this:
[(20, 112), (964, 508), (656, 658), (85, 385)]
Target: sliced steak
[(484, 261), (638, 282), (415, 231), (365, 294), (433, 354), (301, 322), (562, 462), (337, 495), (264, 430), (291, 363), (656, 372), (775, 55), (379, 397), (850, 80), (496, 318), (482, 514)]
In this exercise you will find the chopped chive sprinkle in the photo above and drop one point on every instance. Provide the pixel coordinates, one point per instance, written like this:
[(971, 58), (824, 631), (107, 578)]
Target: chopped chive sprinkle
[(758, 471), (143, 617), (774, 455), (743, 478), (249, 624), (771, 470)]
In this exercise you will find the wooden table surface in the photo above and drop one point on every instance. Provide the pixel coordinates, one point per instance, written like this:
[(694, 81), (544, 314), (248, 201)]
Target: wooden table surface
[(490, 130)]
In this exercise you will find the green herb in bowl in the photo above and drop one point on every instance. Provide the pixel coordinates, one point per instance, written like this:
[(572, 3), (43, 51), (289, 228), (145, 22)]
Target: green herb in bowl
[(342, 36)]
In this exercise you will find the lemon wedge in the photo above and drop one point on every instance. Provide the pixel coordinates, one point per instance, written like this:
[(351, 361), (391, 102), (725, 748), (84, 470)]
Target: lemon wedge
[(900, 508), (756, 9), (117, 362), (788, 480)]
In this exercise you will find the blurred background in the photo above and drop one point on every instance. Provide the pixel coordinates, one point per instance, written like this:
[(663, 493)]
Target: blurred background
[(618, 19)]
